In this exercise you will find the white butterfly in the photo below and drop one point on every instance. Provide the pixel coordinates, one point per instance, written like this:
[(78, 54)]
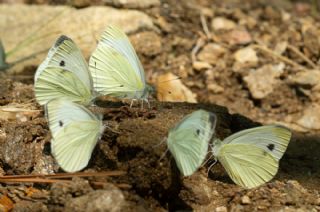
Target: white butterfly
[(251, 157), (116, 69), (188, 141), (64, 74), (75, 131)]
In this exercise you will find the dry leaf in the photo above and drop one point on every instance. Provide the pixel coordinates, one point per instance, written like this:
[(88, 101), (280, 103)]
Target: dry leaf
[(10, 113), (171, 89), (6, 203)]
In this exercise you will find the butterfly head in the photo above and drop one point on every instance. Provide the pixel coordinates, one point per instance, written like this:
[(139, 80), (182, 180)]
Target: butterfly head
[(148, 90), (215, 146)]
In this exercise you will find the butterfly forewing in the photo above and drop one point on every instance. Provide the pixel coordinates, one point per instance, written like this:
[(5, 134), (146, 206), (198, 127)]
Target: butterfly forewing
[(61, 112), (64, 74), (272, 138), (115, 67)]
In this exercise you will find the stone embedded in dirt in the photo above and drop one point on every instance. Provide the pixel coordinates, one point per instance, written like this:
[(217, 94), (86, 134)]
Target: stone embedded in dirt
[(147, 43), (133, 4), (238, 37), (171, 89), (214, 88), (262, 81), (201, 65), (83, 26), (221, 209), (221, 23), (99, 200), (245, 200), (306, 79), (211, 53), (281, 47), (311, 42), (246, 55), (311, 117), (61, 193)]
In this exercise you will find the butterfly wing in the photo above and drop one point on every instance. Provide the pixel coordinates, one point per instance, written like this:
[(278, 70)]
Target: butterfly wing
[(75, 132), (272, 138), (247, 165), (115, 66), (188, 141), (64, 74)]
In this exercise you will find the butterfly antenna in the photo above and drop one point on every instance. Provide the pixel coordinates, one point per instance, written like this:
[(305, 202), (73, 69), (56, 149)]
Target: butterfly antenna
[(159, 144), (164, 154), (177, 78)]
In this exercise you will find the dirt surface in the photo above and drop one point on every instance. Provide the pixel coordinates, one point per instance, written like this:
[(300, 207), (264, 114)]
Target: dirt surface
[(208, 65)]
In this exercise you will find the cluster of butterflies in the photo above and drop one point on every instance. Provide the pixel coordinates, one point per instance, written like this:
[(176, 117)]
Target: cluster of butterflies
[(66, 86)]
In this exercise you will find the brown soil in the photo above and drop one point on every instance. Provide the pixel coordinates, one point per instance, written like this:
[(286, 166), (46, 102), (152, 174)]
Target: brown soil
[(131, 142)]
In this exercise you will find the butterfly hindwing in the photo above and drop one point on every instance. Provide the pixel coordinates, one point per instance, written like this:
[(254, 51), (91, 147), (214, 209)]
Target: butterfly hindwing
[(75, 131), (64, 74), (115, 67), (188, 141)]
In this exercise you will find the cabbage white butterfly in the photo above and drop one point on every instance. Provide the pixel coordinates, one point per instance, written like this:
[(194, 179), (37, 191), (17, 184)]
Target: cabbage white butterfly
[(251, 157), (116, 69), (64, 74), (189, 140), (75, 131)]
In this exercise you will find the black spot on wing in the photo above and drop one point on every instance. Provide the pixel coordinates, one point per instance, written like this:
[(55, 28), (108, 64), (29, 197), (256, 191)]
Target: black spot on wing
[(270, 147), (62, 63), (198, 132), (212, 119), (60, 40), (60, 123)]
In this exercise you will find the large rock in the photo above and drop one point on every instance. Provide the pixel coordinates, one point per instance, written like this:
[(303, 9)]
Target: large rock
[(18, 22)]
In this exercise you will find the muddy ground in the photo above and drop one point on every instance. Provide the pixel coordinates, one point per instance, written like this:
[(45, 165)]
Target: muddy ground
[(223, 84)]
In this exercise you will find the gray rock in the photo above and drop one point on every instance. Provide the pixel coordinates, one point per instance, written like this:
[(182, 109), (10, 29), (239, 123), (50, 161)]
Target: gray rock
[(261, 81), (100, 200)]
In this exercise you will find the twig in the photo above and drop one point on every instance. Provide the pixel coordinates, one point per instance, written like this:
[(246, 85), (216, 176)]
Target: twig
[(280, 57), (205, 26), (196, 48), (65, 175), (33, 180), (300, 54)]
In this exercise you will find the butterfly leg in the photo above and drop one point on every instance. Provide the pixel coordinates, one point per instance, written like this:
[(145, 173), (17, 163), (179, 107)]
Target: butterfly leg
[(214, 163), (132, 102), (147, 101)]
